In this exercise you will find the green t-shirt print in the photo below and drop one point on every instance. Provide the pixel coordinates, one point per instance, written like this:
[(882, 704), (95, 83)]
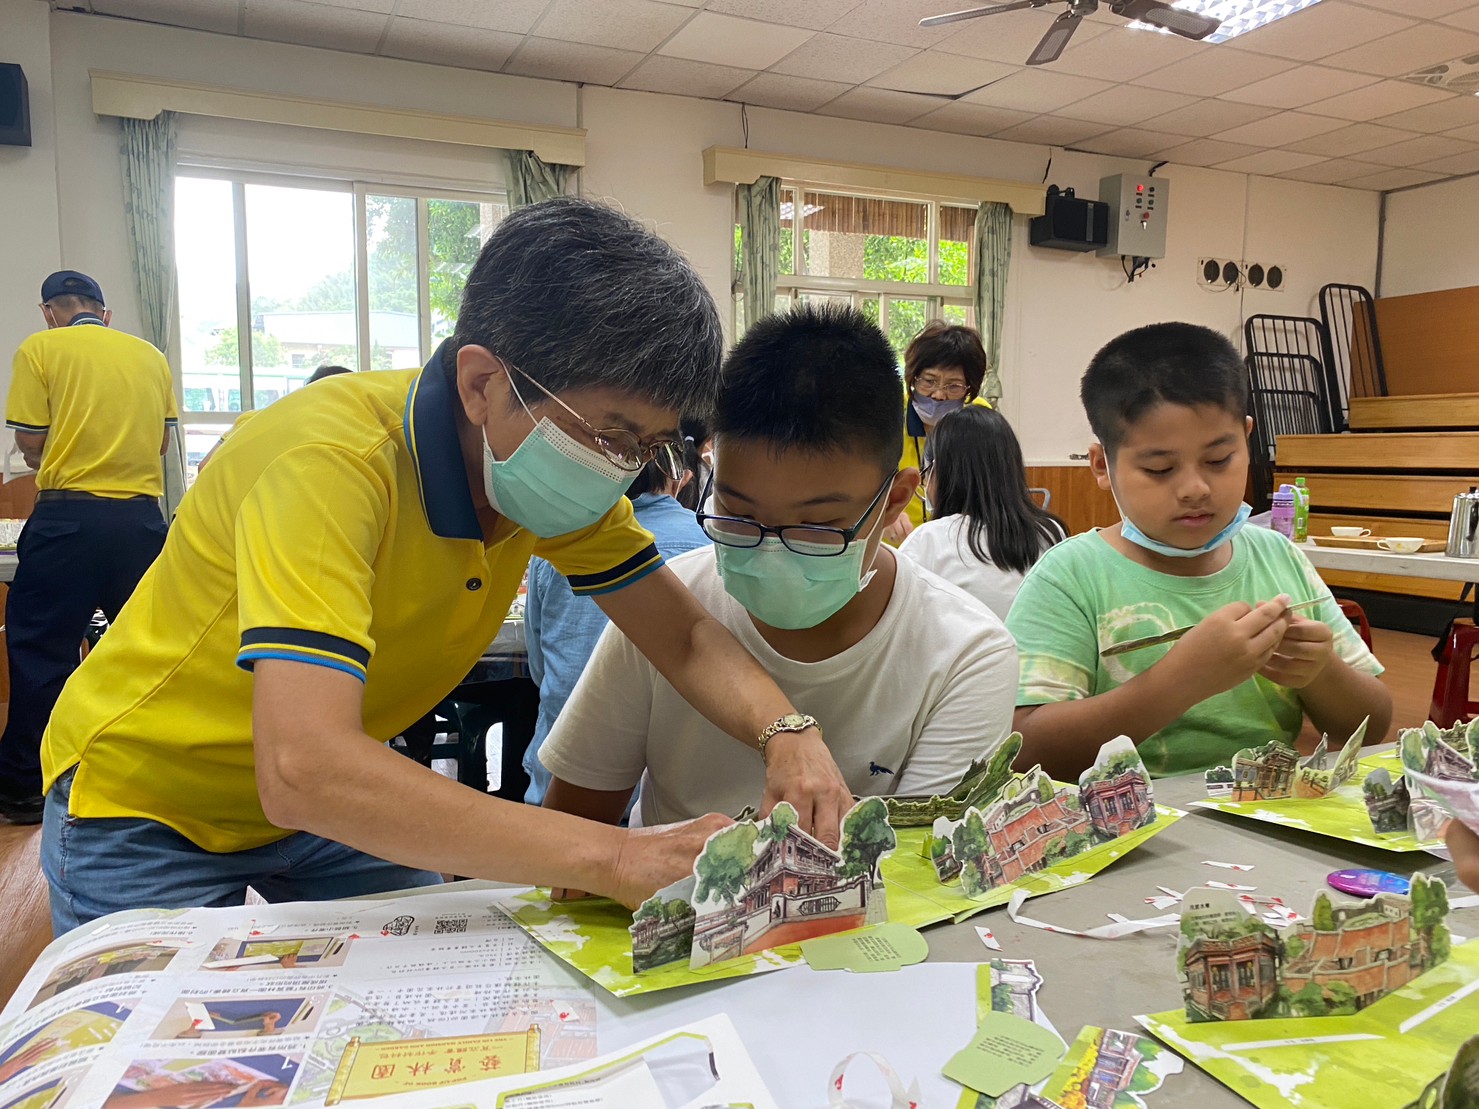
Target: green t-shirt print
[(1084, 596)]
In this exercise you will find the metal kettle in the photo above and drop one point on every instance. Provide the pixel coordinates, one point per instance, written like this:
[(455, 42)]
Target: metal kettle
[(1463, 526)]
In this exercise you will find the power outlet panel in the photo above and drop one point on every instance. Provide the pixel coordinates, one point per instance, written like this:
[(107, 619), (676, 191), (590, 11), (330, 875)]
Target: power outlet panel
[(1138, 208)]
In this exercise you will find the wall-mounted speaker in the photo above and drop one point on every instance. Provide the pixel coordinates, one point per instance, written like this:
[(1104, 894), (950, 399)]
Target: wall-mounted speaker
[(15, 106)]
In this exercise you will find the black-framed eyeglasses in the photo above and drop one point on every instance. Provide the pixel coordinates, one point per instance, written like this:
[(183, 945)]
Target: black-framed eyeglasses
[(802, 539), (952, 390), (620, 446)]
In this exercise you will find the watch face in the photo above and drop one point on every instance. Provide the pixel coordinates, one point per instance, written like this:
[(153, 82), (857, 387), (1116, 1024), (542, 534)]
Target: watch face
[(794, 720)]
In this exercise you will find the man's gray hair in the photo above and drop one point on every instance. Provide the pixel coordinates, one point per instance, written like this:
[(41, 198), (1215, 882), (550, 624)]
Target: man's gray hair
[(577, 295)]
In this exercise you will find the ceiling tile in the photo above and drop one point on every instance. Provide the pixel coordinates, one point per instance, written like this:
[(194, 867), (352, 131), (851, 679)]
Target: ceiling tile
[(794, 94), (1394, 179), (1468, 134), (314, 25), (1374, 101), (1456, 163), (880, 106), (1123, 53), (725, 40), (517, 16), (1332, 172), (1416, 9), (571, 61), (1319, 31), (836, 58), (1126, 143), (1413, 151), (384, 7), (1279, 130), (202, 15), (1441, 115), (942, 74), (1053, 131), (1123, 105), (1405, 51), (1207, 117), (1011, 38), (1214, 71), (623, 24), (421, 40), (817, 15), (895, 21), (682, 77), (1266, 163), (1468, 19), (1295, 88), (1350, 141), (1206, 152), (1039, 90), (973, 119)]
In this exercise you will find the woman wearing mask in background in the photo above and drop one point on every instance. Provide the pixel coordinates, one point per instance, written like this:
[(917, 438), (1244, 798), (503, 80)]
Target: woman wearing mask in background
[(943, 370), (984, 531)]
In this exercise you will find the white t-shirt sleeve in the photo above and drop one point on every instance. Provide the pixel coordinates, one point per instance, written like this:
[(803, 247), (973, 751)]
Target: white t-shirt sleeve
[(972, 718), (599, 740)]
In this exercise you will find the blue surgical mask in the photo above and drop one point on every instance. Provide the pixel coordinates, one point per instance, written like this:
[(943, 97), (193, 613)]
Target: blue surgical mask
[(1134, 535), (552, 484), (787, 590), (932, 411)]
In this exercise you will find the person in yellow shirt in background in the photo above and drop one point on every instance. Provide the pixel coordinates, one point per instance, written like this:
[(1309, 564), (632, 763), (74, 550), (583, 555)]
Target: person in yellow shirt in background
[(347, 557), (91, 409), (943, 371)]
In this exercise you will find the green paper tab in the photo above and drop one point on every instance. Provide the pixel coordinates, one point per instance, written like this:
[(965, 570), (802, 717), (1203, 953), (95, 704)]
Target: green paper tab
[(1006, 1051), (885, 947)]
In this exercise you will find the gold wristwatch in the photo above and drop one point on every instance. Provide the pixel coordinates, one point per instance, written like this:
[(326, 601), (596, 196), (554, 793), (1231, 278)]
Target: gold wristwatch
[(791, 722)]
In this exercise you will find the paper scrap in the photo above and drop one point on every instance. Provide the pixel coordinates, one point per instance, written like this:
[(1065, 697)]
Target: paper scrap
[(1467, 901), (899, 1097), (1118, 929), (1229, 886), (987, 938), (1006, 1051), (1228, 866), (884, 947), (1161, 904)]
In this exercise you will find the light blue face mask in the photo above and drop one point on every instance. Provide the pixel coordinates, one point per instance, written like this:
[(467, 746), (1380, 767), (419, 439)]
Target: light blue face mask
[(552, 484), (932, 411), (787, 590), (1134, 535)]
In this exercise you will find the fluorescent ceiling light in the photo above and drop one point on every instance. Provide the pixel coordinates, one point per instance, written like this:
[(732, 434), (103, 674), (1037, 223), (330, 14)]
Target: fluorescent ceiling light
[(1460, 75), (1238, 16)]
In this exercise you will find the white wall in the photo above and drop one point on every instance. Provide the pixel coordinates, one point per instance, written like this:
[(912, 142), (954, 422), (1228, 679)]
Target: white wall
[(29, 227), (643, 152), (1432, 239)]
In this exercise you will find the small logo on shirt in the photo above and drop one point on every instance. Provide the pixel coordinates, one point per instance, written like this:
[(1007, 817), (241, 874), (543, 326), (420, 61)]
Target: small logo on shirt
[(874, 769)]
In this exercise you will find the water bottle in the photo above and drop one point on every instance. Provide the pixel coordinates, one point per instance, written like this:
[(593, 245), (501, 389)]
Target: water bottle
[(1282, 517), (1301, 511)]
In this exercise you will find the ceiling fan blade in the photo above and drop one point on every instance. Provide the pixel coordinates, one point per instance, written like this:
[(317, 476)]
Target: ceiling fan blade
[(976, 13), (1192, 25), (1052, 43)]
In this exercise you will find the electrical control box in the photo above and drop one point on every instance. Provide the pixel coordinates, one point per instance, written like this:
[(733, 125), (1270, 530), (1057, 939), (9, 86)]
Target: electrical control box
[(1138, 207)]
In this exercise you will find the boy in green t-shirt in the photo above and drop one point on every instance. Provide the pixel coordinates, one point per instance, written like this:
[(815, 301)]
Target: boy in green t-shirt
[(1168, 405)]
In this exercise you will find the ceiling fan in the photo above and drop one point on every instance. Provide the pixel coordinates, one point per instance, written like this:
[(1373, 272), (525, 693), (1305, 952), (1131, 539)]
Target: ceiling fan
[(1192, 25)]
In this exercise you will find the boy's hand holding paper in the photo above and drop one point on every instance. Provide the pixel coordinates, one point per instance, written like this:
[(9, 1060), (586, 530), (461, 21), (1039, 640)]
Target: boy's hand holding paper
[(1302, 655), (1229, 646)]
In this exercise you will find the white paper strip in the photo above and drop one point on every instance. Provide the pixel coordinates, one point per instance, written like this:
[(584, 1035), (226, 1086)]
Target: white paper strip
[(900, 1098), (1120, 928), (1229, 886), (1228, 866), (987, 938), (1302, 1041)]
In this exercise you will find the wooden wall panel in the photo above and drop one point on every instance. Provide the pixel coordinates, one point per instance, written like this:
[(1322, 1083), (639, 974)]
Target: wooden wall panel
[(1436, 410), (1077, 499), (1430, 341), (1377, 493)]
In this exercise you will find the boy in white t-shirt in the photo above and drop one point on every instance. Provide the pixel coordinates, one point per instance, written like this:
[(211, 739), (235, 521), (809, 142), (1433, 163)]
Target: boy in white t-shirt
[(914, 677)]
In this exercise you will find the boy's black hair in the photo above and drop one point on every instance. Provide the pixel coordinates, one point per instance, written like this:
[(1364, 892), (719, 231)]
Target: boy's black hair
[(1171, 363), (819, 378)]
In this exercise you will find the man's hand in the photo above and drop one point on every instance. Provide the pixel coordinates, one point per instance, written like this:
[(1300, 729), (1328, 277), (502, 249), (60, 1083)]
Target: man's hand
[(899, 530), (1463, 845), (1302, 655), (801, 770), (1230, 646), (651, 858)]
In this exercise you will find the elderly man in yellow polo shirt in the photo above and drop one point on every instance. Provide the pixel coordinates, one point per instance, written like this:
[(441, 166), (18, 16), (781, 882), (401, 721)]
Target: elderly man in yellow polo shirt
[(347, 557), (91, 409)]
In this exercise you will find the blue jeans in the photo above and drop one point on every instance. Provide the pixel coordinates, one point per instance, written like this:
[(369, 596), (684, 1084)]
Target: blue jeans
[(102, 865)]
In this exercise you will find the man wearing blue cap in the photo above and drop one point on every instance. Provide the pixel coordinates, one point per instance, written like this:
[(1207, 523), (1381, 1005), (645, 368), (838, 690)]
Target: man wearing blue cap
[(88, 406)]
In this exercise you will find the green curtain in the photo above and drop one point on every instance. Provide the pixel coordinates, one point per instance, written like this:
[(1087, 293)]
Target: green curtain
[(993, 257), (760, 244), (147, 149), (531, 179)]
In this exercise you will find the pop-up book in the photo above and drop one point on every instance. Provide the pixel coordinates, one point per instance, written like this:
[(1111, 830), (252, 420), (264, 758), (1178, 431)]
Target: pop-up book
[(982, 780), (1439, 767), (1345, 956), (766, 883), (1030, 821), (1275, 771)]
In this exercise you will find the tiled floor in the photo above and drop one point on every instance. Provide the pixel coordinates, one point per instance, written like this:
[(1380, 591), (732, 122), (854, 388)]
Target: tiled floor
[(25, 927)]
